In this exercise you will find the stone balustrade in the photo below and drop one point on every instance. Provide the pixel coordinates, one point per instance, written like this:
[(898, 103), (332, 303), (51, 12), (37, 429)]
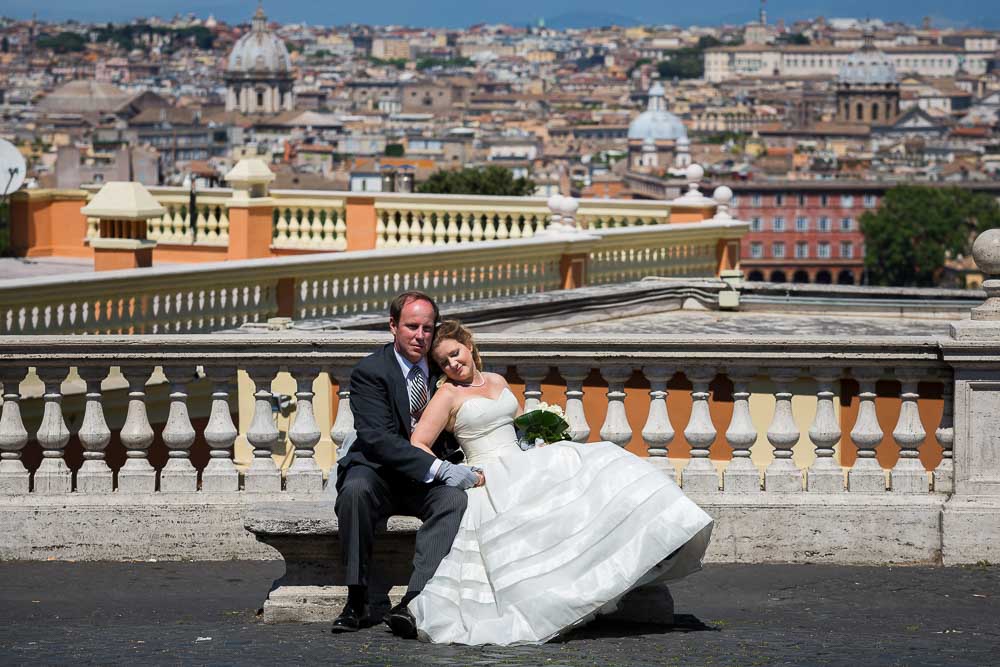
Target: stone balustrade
[(220, 295), (846, 444)]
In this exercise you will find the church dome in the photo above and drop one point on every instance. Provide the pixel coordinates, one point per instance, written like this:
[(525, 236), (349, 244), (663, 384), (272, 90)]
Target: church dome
[(260, 51), (656, 123), (867, 67)]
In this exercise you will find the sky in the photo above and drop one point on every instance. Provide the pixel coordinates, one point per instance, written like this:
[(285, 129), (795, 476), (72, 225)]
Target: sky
[(460, 13)]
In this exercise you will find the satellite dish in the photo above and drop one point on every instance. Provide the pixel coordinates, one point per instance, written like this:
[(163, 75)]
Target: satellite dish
[(12, 168)]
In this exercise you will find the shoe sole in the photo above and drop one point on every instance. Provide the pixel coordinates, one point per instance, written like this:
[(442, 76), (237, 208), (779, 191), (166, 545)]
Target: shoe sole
[(402, 627)]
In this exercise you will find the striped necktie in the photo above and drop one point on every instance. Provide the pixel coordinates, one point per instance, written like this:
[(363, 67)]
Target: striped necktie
[(418, 392)]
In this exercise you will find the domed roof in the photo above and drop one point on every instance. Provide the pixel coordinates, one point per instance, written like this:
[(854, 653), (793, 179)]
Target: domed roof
[(867, 67), (656, 123), (259, 51)]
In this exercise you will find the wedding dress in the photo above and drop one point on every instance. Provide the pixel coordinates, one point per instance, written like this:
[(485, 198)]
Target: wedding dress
[(558, 534)]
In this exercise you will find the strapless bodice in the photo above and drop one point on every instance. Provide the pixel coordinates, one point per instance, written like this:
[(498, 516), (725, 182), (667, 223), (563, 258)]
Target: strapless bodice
[(484, 427)]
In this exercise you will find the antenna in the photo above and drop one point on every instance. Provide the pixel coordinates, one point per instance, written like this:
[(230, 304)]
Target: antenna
[(12, 169)]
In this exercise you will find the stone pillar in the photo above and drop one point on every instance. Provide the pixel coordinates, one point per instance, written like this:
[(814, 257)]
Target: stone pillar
[(971, 517), (362, 222), (692, 206), (123, 210), (250, 210)]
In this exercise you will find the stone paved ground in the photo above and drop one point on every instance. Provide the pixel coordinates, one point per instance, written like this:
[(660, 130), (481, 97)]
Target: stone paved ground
[(204, 613)]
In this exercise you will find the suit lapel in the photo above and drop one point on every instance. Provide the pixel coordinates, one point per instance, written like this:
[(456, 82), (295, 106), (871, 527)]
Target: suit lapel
[(398, 383)]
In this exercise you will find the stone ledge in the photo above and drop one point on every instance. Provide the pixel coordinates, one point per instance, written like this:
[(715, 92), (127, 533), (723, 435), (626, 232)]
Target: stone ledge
[(307, 518)]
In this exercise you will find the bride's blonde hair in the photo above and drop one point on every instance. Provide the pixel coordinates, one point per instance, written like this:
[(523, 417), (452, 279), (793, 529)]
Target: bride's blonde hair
[(454, 330)]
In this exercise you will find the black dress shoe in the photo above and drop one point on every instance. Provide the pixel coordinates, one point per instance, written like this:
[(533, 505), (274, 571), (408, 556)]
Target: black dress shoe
[(401, 621), (353, 618)]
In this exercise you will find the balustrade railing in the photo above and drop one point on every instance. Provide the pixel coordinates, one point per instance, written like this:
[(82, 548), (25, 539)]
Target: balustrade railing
[(219, 295), (795, 416), (305, 220)]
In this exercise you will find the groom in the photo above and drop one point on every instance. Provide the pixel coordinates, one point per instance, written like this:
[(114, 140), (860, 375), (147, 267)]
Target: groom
[(382, 474)]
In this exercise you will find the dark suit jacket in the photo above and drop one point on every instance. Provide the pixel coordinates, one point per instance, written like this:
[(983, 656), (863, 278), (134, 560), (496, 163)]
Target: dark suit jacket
[(381, 408)]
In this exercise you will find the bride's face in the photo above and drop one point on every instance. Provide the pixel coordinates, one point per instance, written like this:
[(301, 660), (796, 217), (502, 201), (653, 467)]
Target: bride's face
[(455, 360)]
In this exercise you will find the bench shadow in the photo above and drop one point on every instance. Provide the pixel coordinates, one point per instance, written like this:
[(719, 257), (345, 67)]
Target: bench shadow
[(610, 629)]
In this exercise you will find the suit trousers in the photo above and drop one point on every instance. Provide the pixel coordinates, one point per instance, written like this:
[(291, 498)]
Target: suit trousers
[(366, 498)]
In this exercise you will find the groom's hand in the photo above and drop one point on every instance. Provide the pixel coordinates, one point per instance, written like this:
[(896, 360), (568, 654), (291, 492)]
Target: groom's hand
[(460, 476)]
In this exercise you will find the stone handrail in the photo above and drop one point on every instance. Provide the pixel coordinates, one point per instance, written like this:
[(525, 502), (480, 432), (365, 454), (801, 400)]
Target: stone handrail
[(219, 295)]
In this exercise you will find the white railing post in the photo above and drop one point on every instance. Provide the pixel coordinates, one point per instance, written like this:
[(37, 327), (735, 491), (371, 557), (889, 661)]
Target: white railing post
[(220, 475), (94, 475), (909, 474), (699, 474), (263, 475), (304, 475), (825, 475), (533, 376), (782, 475), (137, 475), (658, 431), (579, 429), (741, 475), (944, 474), (866, 475), (616, 428), (178, 475), (53, 475), (14, 477)]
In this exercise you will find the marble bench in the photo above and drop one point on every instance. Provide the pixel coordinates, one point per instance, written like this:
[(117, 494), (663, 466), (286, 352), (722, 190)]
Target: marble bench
[(312, 588)]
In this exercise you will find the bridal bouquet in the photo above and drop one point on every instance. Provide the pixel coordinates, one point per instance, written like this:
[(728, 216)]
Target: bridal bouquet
[(543, 425)]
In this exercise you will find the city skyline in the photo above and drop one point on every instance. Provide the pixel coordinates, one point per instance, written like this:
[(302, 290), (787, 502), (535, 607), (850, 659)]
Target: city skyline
[(558, 13)]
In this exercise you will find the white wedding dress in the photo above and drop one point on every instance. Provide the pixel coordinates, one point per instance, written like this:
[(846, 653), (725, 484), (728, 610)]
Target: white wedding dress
[(558, 534)]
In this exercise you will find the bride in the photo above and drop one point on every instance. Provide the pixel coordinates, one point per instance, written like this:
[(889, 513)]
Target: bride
[(551, 536)]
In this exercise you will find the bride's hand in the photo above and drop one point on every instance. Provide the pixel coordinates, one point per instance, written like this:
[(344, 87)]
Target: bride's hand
[(482, 478)]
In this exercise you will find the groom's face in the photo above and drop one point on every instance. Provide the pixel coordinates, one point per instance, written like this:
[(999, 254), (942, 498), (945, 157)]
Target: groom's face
[(414, 330)]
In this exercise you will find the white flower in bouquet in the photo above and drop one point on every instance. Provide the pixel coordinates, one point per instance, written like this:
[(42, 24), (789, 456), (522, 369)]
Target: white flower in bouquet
[(554, 409)]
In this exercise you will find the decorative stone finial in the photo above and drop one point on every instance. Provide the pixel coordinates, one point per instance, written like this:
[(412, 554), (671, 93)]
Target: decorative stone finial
[(693, 197), (249, 179), (569, 209), (555, 206), (986, 253), (722, 196)]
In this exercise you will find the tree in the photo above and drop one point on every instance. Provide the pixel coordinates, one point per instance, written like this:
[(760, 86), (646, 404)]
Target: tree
[(908, 238), (64, 42), (394, 150), (491, 180), (684, 64)]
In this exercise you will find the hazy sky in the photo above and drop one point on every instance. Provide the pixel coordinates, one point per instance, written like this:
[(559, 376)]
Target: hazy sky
[(457, 13)]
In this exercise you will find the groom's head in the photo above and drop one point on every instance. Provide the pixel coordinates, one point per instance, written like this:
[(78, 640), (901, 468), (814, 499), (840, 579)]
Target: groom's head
[(412, 318)]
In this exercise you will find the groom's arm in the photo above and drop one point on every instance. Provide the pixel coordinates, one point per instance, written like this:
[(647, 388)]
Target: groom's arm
[(376, 428)]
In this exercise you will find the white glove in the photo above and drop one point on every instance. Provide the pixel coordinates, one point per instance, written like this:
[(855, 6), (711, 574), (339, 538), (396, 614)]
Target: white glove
[(460, 476)]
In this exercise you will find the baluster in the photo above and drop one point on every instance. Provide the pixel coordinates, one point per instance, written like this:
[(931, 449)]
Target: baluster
[(328, 230), (866, 476), (699, 474), (533, 376), (477, 227), (427, 228), (201, 225), (380, 229), (178, 475), (579, 429), (782, 475), (741, 475), (137, 475), (502, 232), (341, 229), (944, 474), (515, 226), (343, 424), (452, 228), (263, 475), (94, 475), (304, 475), (616, 428), (53, 476), (281, 227), (909, 474), (465, 229), (489, 231), (391, 230), (404, 228), (220, 475), (317, 230), (440, 230), (212, 227), (658, 431), (14, 477), (223, 226), (825, 475)]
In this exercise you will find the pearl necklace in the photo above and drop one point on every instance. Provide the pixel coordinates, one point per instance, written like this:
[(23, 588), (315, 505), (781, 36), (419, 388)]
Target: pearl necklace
[(469, 384)]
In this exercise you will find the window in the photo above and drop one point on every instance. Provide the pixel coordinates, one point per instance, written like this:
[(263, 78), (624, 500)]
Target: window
[(778, 250), (846, 224), (846, 201), (801, 249), (778, 224), (802, 224), (823, 250), (870, 201), (756, 224), (779, 200), (846, 249), (824, 224), (756, 250), (824, 200), (755, 200), (802, 200), (734, 202)]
